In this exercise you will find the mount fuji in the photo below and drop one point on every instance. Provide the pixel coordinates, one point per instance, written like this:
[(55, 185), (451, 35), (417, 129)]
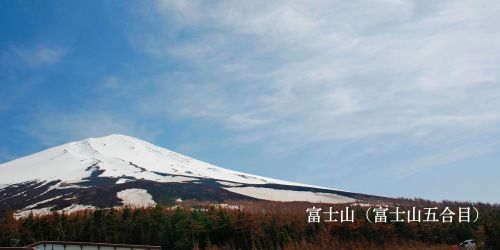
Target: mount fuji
[(119, 170)]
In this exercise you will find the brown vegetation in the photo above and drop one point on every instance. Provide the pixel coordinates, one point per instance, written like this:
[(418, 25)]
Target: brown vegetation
[(257, 225)]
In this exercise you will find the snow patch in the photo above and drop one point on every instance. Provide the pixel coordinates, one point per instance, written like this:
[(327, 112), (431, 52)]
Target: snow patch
[(136, 197), (48, 210), (36, 212), (231, 184), (122, 180), (77, 207), (67, 186), (289, 195), (42, 202)]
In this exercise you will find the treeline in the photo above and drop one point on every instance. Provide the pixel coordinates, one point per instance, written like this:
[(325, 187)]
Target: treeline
[(261, 225)]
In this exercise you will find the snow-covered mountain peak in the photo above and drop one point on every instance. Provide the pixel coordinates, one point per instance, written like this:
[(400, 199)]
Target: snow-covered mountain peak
[(119, 170), (118, 156)]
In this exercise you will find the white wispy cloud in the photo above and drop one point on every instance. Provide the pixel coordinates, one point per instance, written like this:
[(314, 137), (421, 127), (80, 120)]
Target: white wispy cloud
[(446, 156), (20, 55), (289, 73), (53, 128)]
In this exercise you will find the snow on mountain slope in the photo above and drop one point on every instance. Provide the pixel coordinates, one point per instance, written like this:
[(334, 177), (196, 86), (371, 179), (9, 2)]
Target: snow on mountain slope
[(121, 170), (290, 195), (118, 156)]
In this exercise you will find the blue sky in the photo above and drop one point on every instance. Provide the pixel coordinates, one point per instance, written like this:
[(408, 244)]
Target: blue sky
[(393, 97)]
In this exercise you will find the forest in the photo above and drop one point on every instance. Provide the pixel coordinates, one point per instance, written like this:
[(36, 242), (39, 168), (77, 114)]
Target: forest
[(251, 225)]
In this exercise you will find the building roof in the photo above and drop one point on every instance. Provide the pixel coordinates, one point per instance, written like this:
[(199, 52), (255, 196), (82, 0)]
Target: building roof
[(31, 246), (17, 248)]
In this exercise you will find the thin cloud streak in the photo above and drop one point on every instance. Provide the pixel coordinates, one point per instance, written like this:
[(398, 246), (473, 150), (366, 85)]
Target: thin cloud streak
[(51, 129), (332, 75), (24, 56)]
